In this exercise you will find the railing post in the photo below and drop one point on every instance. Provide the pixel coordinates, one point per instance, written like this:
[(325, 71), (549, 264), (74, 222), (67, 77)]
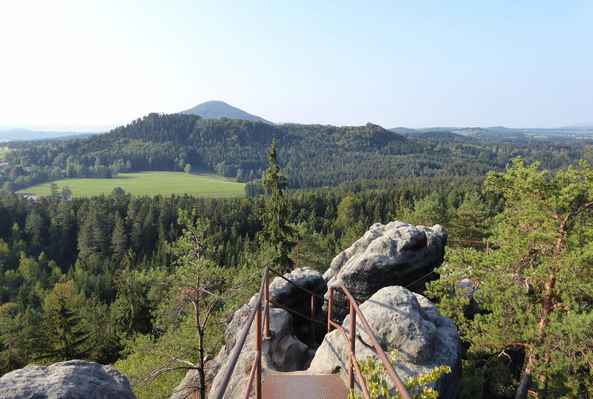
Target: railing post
[(312, 315), (267, 333), (330, 305), (352, 345), (258, 345)]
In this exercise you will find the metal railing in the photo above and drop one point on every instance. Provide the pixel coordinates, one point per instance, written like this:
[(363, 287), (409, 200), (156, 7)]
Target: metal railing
[(354, 372), (261, 314), (262, 323)]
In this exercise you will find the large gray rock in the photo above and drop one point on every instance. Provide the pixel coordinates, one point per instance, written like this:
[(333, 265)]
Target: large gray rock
[(396, 253), (289, 295), (406, 323), (74, 379)]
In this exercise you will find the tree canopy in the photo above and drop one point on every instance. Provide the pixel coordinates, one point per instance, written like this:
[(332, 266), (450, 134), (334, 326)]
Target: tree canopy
[(534, 288)]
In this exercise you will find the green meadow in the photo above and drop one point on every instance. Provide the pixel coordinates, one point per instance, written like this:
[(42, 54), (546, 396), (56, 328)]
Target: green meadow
[(147, 183), (3, 152)]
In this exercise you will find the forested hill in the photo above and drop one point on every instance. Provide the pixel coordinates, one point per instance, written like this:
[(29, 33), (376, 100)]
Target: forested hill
[(311, 155)]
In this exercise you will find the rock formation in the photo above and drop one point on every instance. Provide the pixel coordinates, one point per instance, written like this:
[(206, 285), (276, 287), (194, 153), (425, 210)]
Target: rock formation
[(392, 254), (406, 323), (386, 256), (73, 379), (285, 351)]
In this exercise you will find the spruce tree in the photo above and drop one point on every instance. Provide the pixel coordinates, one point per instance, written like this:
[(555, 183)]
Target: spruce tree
[(67, 335), (276, 215), (119, 239)]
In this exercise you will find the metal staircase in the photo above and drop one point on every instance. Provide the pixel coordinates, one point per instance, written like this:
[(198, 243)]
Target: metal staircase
[(304, 385), (300, 385)]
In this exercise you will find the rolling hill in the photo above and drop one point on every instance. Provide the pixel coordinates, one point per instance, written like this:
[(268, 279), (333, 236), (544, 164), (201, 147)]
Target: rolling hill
[(310, 155)]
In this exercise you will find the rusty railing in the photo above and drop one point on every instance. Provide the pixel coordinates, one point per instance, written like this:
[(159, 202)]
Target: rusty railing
[(354, 372), (261, 314), (262, 327)]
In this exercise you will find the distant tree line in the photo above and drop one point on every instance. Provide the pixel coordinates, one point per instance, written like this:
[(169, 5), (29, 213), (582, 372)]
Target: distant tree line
[(311, 155)]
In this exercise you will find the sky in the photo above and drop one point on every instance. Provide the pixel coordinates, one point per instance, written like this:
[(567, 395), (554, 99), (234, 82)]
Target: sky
[(85, 64)]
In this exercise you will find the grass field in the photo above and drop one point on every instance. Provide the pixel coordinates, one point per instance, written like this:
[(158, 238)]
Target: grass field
[(3, 152), (148, 183)]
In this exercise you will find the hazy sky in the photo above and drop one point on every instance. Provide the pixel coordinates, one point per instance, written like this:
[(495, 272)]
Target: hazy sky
[(98, 63)]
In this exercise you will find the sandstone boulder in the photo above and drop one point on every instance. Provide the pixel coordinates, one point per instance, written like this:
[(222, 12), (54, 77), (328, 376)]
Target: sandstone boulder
[(406, 323), (73, 379), (289, 295), (396, 253)]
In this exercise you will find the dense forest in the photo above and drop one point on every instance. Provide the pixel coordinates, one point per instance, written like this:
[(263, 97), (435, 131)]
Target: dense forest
[(98, 267), (99, 278), (103, 278), (310, 155)]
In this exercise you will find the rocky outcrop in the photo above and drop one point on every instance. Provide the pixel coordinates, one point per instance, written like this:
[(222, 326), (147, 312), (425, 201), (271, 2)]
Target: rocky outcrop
[(285, 351), (396, 253), (406, 323), (387, 255), (74, 379)]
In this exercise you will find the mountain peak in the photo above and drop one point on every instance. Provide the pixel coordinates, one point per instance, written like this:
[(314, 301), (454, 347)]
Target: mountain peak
[(216, 109)]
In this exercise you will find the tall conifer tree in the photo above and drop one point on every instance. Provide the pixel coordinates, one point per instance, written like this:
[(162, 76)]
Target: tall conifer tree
[(276, 216)]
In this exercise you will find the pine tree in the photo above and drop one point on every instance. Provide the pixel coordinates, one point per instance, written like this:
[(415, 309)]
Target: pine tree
[(469, 222), (535, 288), (430, 210)]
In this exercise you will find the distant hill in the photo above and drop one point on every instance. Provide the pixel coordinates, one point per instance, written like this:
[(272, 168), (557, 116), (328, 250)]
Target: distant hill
[(441, 136), (403, 130), (587, 126), (311, 155), (495, 134), (17, 134), (220, 109), (498, 133)]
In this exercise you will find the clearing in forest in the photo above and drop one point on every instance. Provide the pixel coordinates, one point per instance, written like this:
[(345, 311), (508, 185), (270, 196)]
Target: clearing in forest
[(147, 183)]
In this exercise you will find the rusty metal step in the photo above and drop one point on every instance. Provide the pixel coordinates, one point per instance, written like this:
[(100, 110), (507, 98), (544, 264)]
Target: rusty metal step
[(303, 386)]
